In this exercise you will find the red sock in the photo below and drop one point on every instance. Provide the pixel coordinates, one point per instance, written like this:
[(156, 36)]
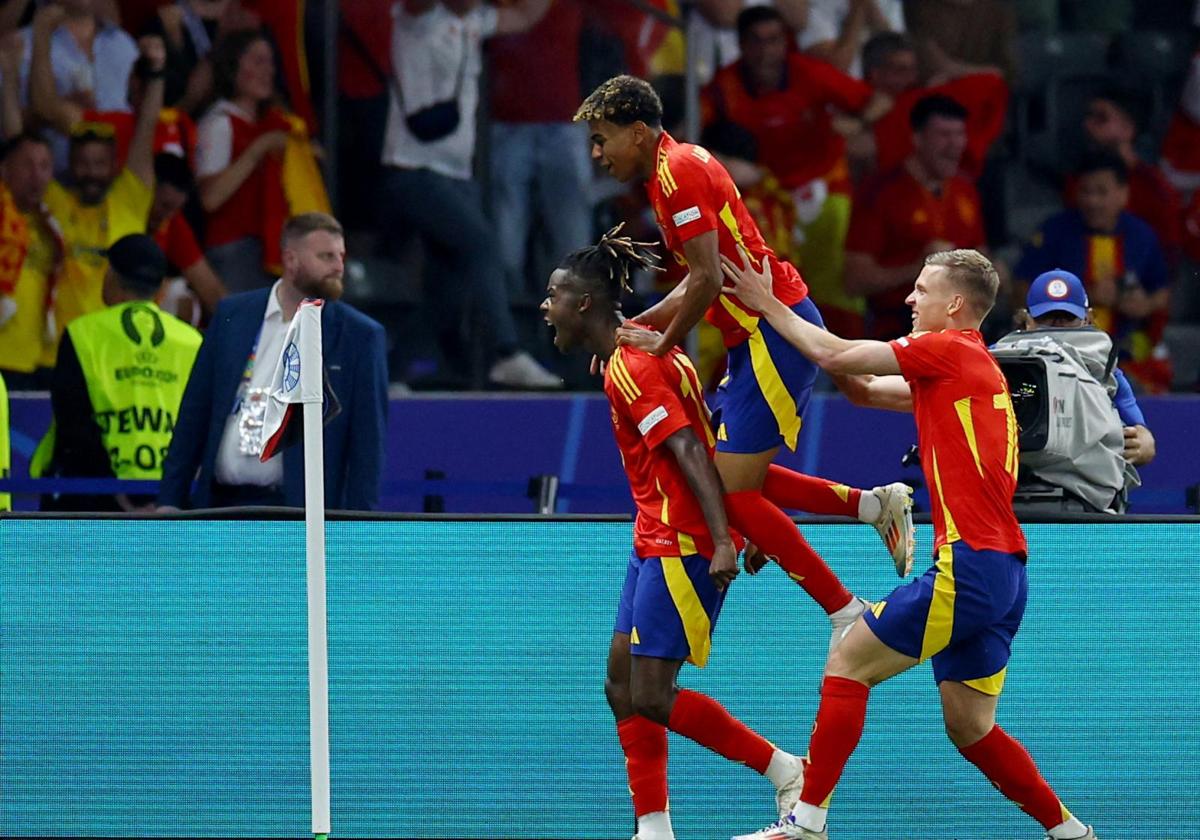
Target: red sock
[(709, 724), (797, 491), (1009, 767), (645, 745), (836, 733), (774, 533)]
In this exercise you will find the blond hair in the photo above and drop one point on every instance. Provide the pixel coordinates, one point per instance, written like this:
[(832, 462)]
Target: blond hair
[(972, 274)]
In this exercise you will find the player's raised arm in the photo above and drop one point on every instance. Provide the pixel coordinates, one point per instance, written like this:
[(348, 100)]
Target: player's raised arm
[(702, 478), (832, 353), (703, 286), (889, 392)]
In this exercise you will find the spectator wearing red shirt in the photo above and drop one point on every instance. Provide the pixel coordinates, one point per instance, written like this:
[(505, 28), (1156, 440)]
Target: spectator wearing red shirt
[(239, 163), (539, 167), (784, 99), (1111, 122), (890, 66), (920, 208), (175, 133), (191, 280)]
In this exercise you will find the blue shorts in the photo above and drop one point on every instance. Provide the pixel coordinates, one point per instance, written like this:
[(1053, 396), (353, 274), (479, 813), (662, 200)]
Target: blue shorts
[(761, 401), (669, 606), (963, 612)]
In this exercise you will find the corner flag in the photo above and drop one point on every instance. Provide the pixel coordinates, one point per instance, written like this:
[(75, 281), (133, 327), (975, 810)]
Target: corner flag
[(299, 380)]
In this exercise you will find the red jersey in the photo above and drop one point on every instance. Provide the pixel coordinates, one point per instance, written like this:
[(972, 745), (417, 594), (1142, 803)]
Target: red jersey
[(967, 435), (175, 132), (792, 127), (652, 397), (691, 194), (894, 219), (178, 243), (549, 52), (984, 95)]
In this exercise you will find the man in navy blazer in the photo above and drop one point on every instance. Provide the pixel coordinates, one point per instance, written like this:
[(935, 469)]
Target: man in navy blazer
[(218, 433)]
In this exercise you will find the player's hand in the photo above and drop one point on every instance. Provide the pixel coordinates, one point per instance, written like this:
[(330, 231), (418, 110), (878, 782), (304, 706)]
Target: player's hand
[(752, 286), (596, 368), (723, 567), (754, 558), (646, 340)]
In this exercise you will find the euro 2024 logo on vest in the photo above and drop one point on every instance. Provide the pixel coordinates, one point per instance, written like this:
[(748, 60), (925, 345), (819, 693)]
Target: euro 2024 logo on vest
[(291, 367)]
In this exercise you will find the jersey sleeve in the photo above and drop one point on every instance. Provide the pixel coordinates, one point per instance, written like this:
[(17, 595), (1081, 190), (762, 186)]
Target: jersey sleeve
[(685, 183), (930, 355), (651, 401), (838, 89)]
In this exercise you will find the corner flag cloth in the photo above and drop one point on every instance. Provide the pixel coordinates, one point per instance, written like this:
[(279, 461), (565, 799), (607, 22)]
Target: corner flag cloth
[(299, 378)]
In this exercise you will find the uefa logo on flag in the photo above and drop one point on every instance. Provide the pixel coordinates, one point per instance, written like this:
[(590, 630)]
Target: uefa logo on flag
[(291, 367)]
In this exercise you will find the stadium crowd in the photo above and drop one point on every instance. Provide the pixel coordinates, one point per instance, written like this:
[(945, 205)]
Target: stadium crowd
[(864, 135)]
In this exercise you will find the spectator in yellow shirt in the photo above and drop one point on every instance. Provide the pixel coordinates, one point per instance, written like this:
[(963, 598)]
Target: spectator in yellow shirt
[(102, 204)]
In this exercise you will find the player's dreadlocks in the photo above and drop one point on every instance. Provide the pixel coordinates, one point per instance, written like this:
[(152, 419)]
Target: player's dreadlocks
[(608, 264), (623, 100)]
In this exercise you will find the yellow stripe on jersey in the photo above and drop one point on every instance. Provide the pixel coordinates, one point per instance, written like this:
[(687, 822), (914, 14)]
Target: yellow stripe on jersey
[(620, 375), (665, 179), (952, 535), (842, 491), (1003, 402), (696, 625), (990, 685), (939, 624), (689, 386), (686, 544), (963, 407), (726, 216), (770, 383)]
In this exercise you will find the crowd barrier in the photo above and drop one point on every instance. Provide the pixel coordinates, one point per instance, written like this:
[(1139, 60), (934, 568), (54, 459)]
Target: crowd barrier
[(154, 683), (477, 454)]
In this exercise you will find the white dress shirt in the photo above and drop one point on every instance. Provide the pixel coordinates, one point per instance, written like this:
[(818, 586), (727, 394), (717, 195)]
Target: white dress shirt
[(234, 466), (428, 54)]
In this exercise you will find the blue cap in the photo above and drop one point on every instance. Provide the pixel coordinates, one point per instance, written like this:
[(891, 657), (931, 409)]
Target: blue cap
[(1057, 291)]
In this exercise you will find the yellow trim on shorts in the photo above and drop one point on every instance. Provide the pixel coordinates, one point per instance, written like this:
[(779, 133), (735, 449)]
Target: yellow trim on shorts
[(696, 625), (939, 624), (770, 383), (990, 685)]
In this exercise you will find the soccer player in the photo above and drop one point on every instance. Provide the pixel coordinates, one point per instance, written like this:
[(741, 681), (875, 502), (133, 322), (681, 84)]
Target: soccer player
[(964, 611), (764, 396), (683, 555)]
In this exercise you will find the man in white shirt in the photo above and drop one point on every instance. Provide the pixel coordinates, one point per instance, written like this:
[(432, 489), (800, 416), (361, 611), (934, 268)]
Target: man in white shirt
[(218, 437), (428, 151)]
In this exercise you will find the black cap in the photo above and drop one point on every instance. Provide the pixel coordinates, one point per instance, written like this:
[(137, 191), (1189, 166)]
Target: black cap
[(139, 262)]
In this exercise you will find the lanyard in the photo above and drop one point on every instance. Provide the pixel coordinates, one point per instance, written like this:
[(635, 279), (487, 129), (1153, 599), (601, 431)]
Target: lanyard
[(244, 385)]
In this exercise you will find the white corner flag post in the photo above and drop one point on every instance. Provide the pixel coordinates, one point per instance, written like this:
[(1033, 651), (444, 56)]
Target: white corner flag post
[(299, 380)]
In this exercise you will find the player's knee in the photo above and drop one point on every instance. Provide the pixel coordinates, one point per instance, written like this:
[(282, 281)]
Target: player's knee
[(964, 730), (617, 694), (653, 703)]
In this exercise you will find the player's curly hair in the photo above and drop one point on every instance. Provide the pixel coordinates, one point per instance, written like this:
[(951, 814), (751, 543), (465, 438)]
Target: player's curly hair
[(623, 100), (606, 266)]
